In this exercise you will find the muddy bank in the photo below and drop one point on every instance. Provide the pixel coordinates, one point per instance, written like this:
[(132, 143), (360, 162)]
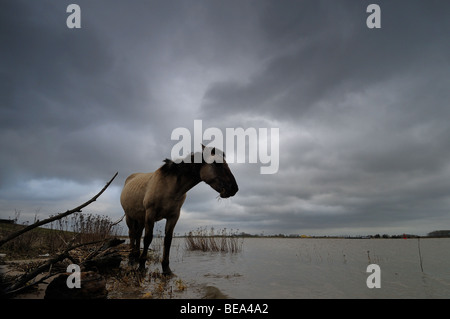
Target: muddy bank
[(124, 283)]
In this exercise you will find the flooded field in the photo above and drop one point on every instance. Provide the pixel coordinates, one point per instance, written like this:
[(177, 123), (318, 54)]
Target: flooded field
[(313, 268)]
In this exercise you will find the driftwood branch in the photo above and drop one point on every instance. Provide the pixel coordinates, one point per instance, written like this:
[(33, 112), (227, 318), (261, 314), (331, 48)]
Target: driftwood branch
[(23, 281), (59, 216)]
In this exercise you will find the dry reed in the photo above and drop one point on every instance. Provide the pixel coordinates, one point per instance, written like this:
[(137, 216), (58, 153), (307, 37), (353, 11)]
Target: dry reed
[(220, 241), (78, 228)]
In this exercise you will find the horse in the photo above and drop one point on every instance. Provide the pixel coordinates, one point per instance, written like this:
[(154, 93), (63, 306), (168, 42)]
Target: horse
[(149, 197)]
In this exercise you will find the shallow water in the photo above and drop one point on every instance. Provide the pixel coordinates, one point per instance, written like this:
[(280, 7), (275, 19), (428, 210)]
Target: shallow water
[(321, 268), (317, 268)]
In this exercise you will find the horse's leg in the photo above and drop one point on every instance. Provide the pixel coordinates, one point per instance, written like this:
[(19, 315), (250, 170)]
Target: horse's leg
[(149, 223), (137, 245), (135, 238), (170, 225)]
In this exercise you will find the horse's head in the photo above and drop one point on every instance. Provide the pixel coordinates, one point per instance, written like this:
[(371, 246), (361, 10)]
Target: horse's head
[(216, 173)]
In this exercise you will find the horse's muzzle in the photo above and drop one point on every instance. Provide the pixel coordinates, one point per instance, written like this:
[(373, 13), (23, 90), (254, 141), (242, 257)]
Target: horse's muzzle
[(229, 193)]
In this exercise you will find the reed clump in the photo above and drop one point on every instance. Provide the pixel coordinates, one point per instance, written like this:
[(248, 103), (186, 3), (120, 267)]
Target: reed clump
[(215, 241)]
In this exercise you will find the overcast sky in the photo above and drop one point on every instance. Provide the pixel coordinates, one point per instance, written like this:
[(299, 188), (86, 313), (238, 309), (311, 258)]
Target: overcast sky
[(363, 113)]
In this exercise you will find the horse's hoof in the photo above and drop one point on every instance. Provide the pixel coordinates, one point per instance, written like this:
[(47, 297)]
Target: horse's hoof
[(167, 272), (132, 262), (141, 265), (142, 269)]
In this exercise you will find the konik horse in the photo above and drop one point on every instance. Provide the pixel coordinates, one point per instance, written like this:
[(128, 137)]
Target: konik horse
[(150, 197)]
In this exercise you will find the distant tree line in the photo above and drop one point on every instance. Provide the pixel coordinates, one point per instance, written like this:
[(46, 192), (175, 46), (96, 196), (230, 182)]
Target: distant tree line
[(436, 234), (439, 233)]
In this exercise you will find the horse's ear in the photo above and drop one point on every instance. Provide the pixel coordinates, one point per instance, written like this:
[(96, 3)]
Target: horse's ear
[(168, 163), (213, 151), (169, 166)]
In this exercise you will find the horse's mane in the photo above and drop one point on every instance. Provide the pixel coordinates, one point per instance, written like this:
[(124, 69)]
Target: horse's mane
[(183, 168), (187, 166)]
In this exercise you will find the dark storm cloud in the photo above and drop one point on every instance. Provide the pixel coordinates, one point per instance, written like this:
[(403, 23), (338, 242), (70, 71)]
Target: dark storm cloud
[(69, 102), (322, 50), (362, 112), (95, 99), (364, 138)]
